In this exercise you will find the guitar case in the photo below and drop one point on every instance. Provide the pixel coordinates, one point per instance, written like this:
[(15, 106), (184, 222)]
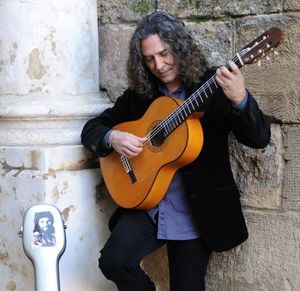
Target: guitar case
[(44, 242)]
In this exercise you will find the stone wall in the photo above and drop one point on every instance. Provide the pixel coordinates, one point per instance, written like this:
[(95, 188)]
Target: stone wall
[(268, 178)]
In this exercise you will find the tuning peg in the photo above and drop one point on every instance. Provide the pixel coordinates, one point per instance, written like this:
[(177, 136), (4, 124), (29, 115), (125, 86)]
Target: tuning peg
[(259, 63), (268, 59)]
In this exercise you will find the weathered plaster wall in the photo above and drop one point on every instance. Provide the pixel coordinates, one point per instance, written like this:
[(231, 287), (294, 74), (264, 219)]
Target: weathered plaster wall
[(268, 178), (49, 87)]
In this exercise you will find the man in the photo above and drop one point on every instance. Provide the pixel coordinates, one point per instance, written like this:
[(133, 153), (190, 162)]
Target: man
[(44, 232), (201, 211)]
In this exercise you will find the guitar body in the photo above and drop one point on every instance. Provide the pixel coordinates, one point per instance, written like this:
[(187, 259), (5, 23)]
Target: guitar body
[(156, 165)]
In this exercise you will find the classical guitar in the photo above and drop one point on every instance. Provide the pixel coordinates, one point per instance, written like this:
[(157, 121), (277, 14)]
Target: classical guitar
[(174, 137)]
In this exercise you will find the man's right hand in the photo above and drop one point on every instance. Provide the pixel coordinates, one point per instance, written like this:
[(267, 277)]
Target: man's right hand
[(125, 143)]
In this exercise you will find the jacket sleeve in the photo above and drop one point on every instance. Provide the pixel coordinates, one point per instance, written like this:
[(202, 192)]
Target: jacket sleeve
[(95, 129), (250, 126)]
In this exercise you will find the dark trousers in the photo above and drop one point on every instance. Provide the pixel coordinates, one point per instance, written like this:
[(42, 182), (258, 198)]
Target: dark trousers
[(133, 238)]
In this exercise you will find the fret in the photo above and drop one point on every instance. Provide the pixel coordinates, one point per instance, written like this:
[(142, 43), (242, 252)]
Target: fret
[(189, 110), (193, 106), (181, 116), (216, 85), (240, 60), (184, 111), (199, 97), (171, 124), (168, 129), (205, 93), (209, 87), (175, 122)]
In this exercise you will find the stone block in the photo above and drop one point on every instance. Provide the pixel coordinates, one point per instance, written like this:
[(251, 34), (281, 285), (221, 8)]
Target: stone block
[(291, 5), (258, 173), (268, 260), (157, 268), (192, 8), (215, 38), (291, 185), (116, 11), (215, 8), (238, 8), (114, 42), (276, 83)]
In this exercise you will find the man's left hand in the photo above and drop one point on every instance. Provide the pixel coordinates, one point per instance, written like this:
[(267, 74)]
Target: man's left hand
[(232, 82)]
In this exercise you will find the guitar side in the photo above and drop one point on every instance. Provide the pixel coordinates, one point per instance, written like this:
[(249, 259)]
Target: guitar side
[(155, 166)]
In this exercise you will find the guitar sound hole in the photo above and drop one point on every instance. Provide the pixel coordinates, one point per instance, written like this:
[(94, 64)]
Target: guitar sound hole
[(158, 139), (157, 142)]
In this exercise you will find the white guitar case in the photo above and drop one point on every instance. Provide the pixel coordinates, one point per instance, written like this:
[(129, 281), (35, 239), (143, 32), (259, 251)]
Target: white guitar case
[(44, 242)]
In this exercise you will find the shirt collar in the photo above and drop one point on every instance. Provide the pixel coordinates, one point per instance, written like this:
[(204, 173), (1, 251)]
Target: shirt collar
[(179, 93)]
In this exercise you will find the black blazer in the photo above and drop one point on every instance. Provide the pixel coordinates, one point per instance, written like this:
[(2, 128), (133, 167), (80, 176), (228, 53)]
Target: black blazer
[(209, 183)]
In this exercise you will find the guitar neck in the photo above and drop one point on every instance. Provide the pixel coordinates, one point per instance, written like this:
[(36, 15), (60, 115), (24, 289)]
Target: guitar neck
[(192, 104)]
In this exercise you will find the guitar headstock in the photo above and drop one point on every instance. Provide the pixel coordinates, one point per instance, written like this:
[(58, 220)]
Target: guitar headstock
[(262, 45)]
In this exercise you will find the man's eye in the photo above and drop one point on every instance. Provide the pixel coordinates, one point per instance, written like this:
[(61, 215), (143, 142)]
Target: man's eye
[(164, 53), (148, 59)]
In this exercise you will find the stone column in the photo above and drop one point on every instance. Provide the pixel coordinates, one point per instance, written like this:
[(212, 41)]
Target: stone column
[(49, 86)]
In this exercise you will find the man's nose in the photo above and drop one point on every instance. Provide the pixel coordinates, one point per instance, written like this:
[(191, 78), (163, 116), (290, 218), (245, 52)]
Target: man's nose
[(159, 63)]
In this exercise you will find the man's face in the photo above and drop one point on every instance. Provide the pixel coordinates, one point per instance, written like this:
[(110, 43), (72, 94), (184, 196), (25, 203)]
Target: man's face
[(44, 224), (160, 61)]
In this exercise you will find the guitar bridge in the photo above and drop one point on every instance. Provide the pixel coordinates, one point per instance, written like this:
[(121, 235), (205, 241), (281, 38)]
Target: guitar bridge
[(128, 169)]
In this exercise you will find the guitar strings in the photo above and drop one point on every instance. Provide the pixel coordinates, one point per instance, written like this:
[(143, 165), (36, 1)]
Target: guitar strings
[(169, 119), (159, 130), (175, 115)]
